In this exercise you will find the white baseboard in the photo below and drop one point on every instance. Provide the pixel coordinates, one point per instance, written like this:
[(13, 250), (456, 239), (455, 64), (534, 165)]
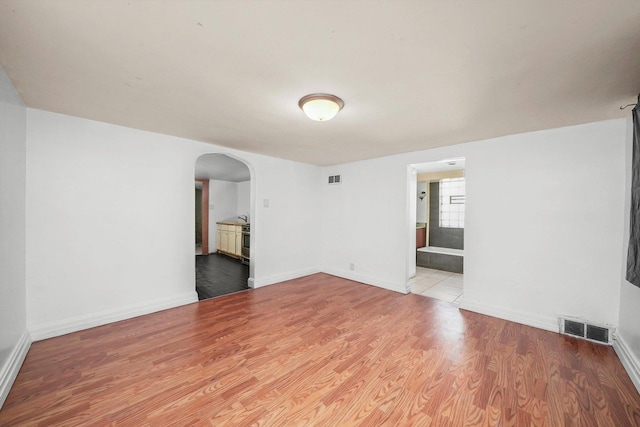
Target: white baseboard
[(265, 281), (9, 371), (256, 283), (350, 275), (628, 359), (524, 318), (78, 323)]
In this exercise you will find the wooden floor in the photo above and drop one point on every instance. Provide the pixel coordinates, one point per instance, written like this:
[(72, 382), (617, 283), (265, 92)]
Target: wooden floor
[(320, 351)]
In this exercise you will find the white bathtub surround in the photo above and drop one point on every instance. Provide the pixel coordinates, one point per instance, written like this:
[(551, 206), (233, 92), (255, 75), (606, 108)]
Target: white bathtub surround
[(442, 251), (441, 258)]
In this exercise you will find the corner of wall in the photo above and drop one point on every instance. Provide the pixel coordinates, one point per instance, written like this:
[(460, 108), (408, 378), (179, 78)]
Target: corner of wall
[(13, 364), (629, 360), (265, 281), (627, 340), (366, 280), (529, 319), (14, 340)]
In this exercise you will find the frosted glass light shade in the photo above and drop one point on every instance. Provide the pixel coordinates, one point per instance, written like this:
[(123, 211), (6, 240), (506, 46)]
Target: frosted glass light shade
[(321, 106)]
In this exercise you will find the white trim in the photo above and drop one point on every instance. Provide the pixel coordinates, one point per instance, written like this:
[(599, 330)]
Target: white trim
[(78, 323), (13, 364), (265, 281), (529, 319), (350, 275), (441, 251), (628, 359)]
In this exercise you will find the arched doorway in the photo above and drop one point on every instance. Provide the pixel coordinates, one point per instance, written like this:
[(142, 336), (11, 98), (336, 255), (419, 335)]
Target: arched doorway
[(224, 209)]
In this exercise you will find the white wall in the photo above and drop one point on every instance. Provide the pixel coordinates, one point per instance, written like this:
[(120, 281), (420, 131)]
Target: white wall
[(226, 200), (365, 221), (244, 198), (14, 338), (543, 225), (223, 201), (110, 214), (544, 230), (421, 204), (628, 344), (284, 235)]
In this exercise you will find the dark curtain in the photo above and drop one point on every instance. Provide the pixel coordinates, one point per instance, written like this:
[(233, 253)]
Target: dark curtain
[(633, 255)]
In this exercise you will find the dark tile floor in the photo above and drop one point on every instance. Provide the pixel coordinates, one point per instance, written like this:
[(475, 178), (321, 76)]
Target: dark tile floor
[(219, 275)]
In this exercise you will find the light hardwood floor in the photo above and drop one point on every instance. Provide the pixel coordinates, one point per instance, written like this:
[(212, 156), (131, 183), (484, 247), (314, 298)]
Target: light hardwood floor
[(320, 351)]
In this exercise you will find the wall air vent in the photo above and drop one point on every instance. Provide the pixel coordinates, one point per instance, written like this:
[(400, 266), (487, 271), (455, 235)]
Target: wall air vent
[(582, 329), (335, 179), (574, 328), (597, 333)]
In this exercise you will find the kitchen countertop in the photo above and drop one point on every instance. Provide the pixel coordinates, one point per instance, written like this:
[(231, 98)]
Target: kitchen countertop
[(231, 221)]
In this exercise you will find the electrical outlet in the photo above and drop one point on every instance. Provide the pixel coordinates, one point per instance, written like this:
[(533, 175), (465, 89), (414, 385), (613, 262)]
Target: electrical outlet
[(352, 266), (265, 203)]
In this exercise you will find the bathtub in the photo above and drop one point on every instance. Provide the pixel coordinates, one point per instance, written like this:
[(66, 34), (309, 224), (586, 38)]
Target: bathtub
[(446, 259)]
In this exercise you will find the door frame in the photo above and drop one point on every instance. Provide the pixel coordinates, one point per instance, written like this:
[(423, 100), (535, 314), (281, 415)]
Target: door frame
[(205, 215)]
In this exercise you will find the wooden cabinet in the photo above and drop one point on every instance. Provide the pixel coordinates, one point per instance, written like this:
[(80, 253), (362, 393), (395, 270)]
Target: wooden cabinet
[(231, 242), (229, 239), (224, 239), (421, 237), (239, 242)]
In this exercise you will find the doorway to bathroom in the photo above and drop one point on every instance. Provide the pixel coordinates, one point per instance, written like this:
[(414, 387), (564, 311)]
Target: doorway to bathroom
[(440, 217)]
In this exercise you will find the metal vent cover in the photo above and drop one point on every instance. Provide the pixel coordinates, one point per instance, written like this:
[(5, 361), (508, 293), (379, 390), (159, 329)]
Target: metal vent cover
[(597, 333), (335, 179), (574, 328), (587, 331)]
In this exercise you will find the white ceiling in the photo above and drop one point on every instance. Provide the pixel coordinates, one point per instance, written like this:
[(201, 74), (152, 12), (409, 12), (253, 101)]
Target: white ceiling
[(413, 74), (221, 167)]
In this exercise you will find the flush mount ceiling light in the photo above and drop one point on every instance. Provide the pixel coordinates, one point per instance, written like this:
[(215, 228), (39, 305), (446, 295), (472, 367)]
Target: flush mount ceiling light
[(321, 106), (452, 162)]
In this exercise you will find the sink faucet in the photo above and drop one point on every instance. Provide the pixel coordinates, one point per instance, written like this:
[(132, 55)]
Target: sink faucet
[(243, 217)]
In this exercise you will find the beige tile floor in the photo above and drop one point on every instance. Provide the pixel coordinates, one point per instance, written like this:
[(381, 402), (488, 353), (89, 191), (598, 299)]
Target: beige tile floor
[(437, 284)]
